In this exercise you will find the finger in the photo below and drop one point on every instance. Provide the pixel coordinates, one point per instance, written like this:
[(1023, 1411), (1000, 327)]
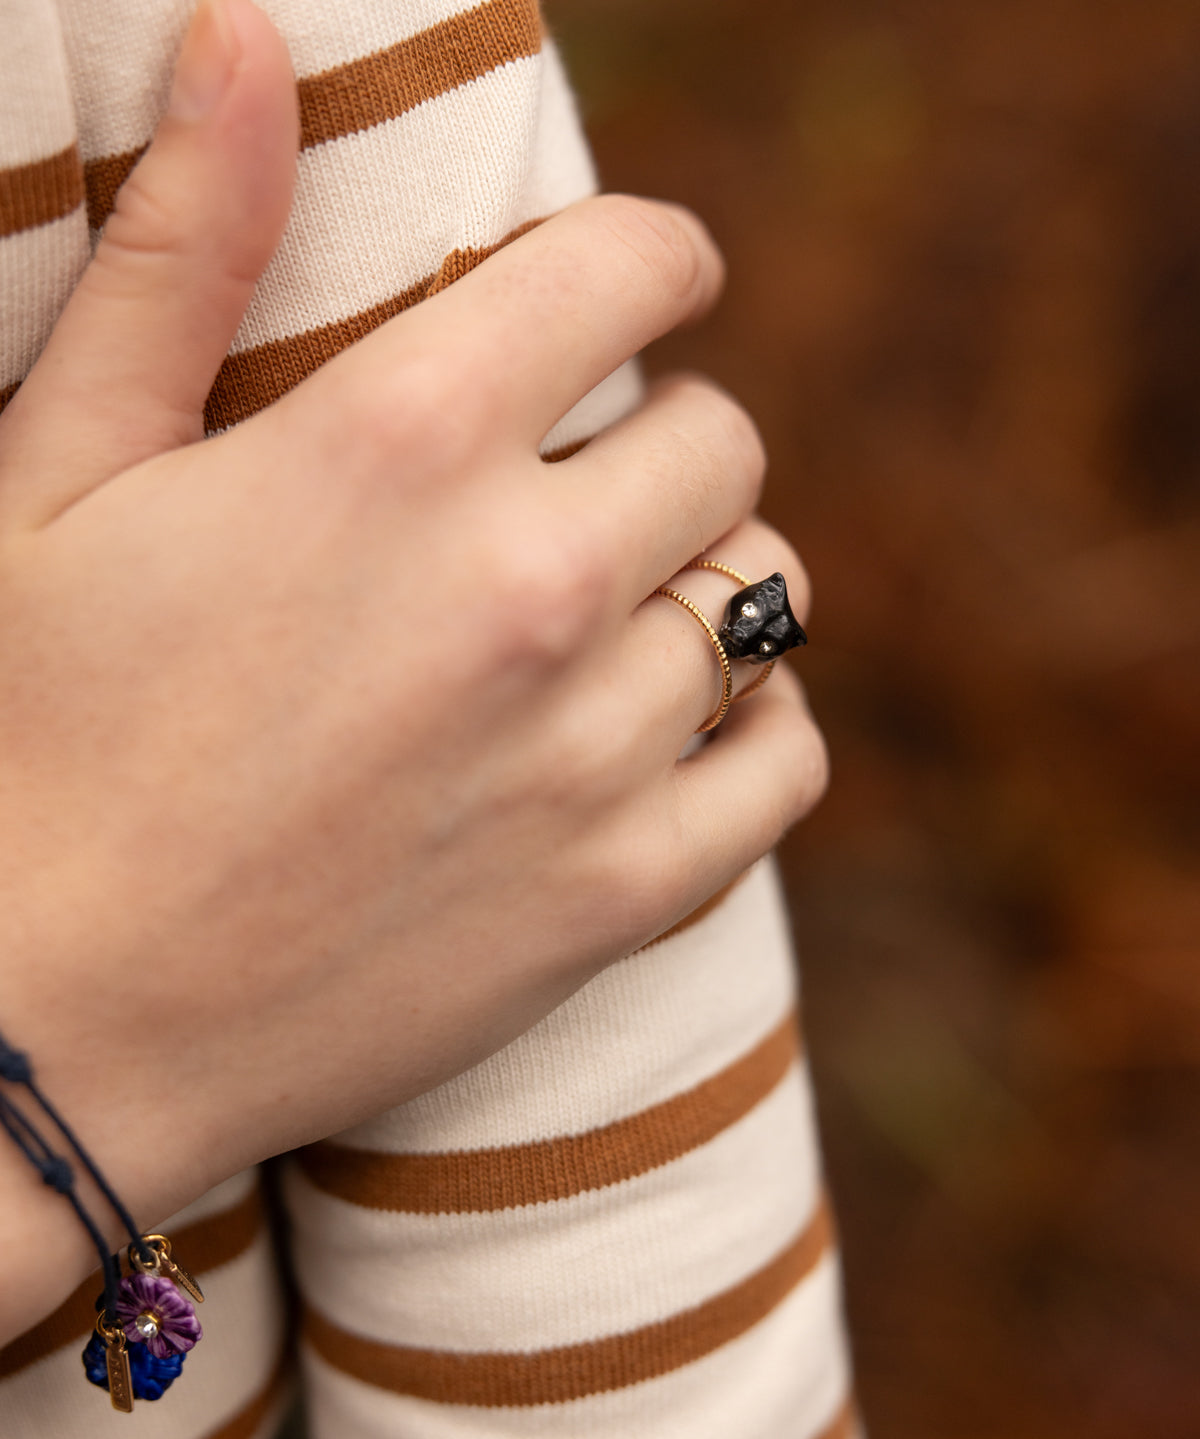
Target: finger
[(764, 770), (544, 320), (676, 475), (134, 354)]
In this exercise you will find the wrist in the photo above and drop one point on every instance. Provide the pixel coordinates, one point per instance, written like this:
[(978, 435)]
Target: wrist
[(44, 1250)]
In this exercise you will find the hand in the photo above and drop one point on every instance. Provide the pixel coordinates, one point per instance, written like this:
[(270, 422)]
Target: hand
[(337, 749)]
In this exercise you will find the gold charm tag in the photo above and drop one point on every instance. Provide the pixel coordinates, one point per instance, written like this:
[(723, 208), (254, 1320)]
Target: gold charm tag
[(181, 1277), (164, 1264), (120, 1382)]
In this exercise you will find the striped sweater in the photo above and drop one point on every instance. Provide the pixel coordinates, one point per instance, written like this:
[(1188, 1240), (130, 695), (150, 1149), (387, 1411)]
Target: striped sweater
[(615, 1226)]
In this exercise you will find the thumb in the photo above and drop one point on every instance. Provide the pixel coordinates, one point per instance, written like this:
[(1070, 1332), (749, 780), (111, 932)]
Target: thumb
[(133, 355)]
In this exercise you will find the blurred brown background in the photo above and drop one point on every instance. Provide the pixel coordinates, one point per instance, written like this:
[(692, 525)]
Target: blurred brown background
[(964, 242)]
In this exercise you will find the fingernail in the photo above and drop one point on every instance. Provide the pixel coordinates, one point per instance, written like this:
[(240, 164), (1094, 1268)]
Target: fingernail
[(206, 63)]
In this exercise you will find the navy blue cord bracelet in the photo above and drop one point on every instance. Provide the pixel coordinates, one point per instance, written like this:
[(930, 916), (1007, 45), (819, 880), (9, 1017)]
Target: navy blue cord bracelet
[(145, 1322)]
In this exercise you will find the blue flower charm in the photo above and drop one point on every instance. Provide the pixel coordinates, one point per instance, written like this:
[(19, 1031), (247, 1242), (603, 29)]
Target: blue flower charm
[(151, 1377)]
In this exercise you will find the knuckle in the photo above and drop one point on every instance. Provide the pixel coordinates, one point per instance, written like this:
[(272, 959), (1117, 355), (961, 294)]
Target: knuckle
[(408, 420), (143, 224), (717, 436), (657, 238), (550, 584)]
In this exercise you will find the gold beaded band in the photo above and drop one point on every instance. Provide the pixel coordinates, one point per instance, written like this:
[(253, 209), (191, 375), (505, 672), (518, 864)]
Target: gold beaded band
[(764, 674), (726, 668), (699, 564)]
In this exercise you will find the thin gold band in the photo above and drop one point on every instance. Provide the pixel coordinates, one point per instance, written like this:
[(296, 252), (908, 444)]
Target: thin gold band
[(726, 669), (699, 564), (764, 674)]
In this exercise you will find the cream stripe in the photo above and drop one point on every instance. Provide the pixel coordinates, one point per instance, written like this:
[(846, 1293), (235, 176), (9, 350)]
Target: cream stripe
[(36, 118), (262, 1416), (510, 1378), (783, 1379), (39, 265), (635, 1253), (560, 166), (392, 224), (243, 1338), (121, 68), (644, 1030), (322, 36), (481, 1180)]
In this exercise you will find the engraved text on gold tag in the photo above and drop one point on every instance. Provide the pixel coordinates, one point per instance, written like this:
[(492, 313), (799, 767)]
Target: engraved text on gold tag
[(120, 1384), (181, 1277)]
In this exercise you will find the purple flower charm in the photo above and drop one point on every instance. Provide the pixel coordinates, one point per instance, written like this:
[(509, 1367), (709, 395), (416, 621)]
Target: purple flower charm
[(152, 1312)]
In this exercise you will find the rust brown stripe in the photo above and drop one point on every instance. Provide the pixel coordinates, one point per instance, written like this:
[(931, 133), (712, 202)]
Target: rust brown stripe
[(250, 1420), (202, 1246), (41, 191), (253, 379), (484, 1180), (554, 1376), (379, 87)]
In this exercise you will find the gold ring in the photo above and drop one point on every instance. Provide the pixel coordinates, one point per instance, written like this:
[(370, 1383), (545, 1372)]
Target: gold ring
[(764, 674), (701, 618)]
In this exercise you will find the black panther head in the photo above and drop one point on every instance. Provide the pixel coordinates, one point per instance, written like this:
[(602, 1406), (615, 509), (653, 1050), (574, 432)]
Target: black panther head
[(759, 624)]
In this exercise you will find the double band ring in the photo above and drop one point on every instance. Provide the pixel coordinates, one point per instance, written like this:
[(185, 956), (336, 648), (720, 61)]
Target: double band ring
[(759, 627)]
